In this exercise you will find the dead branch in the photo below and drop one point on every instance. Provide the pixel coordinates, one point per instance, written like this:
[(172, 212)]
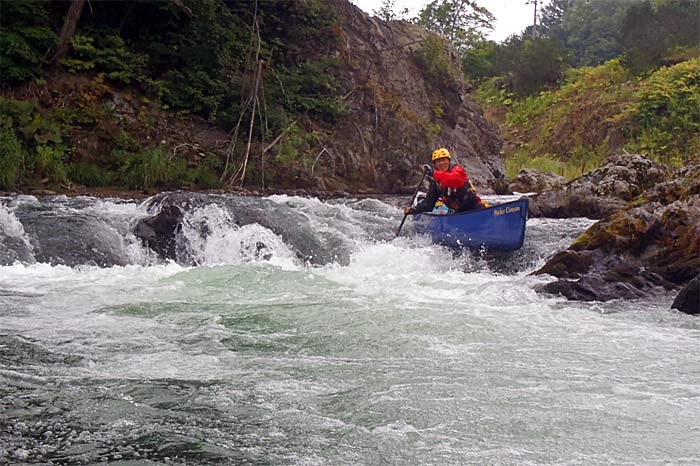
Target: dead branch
[(362, 138), (323, 151)]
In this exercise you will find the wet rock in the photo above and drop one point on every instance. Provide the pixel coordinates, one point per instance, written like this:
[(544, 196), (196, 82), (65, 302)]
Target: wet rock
[(601, 192), (160, 232), (688, 300), (535, 181), (653, 242), (590, 276)]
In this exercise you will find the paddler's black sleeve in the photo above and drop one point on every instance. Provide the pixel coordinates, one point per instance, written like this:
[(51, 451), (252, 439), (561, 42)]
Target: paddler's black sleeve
[(427, 204)]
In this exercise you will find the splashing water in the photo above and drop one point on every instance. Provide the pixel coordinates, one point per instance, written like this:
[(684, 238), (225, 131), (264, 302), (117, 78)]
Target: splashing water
[(385, 351)]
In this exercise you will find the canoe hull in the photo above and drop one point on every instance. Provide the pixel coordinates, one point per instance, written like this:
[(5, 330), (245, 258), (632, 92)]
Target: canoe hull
[(499, 228)]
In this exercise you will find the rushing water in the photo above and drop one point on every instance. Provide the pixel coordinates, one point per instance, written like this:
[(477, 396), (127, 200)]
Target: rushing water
[(300, 332)]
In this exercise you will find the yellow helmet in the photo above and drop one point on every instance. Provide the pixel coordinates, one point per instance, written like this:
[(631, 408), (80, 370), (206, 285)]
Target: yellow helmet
[(441, 153)]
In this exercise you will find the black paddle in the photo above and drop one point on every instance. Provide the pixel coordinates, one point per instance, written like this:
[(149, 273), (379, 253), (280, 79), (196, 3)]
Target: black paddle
[(420, 183)]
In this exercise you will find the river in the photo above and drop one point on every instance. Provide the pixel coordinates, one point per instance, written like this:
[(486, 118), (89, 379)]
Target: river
[(294, 331)]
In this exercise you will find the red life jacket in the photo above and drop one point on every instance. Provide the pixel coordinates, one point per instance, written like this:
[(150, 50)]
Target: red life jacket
[(456, 190)]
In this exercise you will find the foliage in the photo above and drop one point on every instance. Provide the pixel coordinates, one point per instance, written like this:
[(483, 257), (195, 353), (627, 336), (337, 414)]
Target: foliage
[(601, 110), (493, 93), (150, 168), (436, 62), (41, 146), (49, 163), (477, 61), (25, 40), (462, 22), (666, 114), (30, 122), (294, 148), (105, 53), (544, 163), (530, 64), (525, 112), (552, 16), (583, 111), (12, 157), (204, 174), (310, 89), (651, 30), (591, 30), (89, 174), (387, 11)]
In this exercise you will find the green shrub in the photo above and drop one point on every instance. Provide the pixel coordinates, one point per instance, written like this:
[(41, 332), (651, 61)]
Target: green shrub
[(25, 37), (150, 168), (12, 157), (192, 91), (477, 62), (548, 163), (435, 60), (48, 163), (584, 112), (666, 114), (493, 93), (310, 89), (205, 174), (106, 53), (88, 174), (525, 112)]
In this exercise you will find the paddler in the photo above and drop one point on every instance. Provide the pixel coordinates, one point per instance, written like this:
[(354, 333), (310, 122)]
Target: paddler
[(449, 183)]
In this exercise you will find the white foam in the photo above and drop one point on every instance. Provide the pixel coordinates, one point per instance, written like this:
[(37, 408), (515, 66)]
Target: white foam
[(214, 239), (11, 226)]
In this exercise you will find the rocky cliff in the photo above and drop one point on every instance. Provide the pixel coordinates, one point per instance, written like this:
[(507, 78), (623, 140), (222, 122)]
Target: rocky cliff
[(401, 109)]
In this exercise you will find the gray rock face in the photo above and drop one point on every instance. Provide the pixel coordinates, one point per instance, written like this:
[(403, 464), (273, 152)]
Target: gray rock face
[(535, 181), (688, 300), (603, 191), (400, 113)]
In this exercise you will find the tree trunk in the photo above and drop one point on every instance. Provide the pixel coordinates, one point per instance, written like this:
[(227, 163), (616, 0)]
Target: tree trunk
[(70, 24)]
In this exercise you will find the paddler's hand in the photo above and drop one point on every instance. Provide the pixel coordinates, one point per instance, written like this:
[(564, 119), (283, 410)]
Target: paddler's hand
[(409, 211), (427, 169)]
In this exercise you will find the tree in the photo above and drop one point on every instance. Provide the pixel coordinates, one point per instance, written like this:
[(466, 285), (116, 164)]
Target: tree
[(651, 29), (462, 22), (529, 64), (591, 30), (477, 62), (552, 16), (387, 11), (70, 24)]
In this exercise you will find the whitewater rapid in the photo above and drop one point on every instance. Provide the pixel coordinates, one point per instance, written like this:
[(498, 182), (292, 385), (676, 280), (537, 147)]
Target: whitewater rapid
[(389, 351)]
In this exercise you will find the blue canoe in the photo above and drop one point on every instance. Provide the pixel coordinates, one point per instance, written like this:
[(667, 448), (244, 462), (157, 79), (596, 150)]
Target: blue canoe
[(500, 227)]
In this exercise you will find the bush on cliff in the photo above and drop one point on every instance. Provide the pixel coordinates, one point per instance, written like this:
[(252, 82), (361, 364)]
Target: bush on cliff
[(600, 110)]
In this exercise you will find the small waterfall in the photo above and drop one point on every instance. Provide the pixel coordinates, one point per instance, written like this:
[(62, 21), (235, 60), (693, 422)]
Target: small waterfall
[(14, 243), (211, 237)]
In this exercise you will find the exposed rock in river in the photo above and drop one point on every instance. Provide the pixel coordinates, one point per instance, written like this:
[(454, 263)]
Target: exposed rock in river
[(651, 242), (601, 192), (688, 300), (530, 180)]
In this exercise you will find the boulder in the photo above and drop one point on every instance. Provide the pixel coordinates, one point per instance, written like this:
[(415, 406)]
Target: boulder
[(652, 242), (160, 231), (534, 181), (688, 300), (601, 192)]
